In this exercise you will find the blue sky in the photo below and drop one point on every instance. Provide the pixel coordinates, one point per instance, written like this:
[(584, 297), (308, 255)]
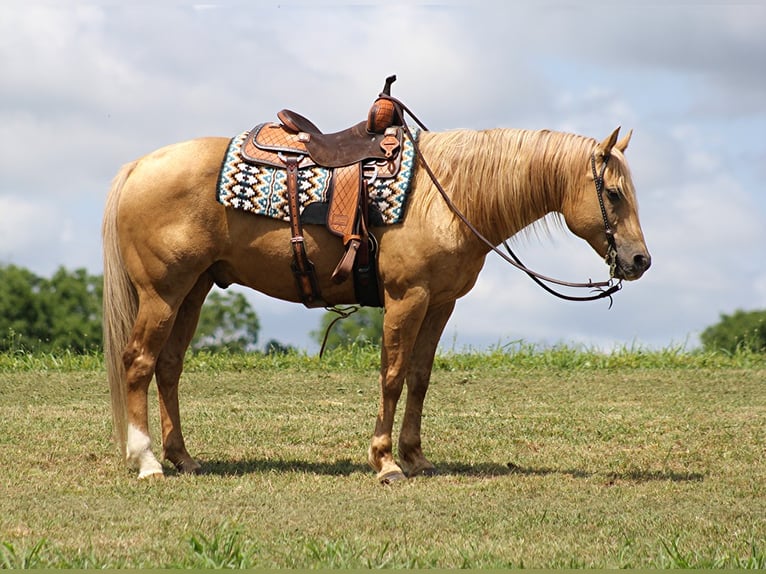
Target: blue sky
[(88, 86)]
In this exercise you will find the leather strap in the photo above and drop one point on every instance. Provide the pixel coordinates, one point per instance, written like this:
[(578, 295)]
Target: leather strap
[(303, 268), (346, 264), (366, 269)]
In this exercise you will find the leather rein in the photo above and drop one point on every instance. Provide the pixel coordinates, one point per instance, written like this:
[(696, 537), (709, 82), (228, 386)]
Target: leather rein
[(603, 289)]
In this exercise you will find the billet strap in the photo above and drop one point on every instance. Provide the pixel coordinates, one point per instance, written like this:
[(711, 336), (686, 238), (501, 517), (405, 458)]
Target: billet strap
[(303, 268)]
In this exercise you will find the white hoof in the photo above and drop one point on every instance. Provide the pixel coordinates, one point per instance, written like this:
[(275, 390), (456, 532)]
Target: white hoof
[(139, 454), (148, 473)]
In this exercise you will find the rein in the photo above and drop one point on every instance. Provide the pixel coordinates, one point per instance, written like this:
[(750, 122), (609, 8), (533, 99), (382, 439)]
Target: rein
[(603, 289)]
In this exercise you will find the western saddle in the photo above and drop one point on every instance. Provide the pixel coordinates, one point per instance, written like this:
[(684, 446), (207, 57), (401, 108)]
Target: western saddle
[(357, 156)]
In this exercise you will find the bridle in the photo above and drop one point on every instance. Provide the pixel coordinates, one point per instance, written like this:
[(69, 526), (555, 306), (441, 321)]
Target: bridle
[(603, 289), (598, 179)]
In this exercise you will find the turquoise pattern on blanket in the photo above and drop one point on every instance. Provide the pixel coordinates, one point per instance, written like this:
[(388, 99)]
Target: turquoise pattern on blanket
[(262, 190)]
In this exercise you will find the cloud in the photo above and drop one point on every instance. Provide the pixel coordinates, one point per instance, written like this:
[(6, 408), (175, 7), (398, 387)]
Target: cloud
[(29, 227), (88, 87)]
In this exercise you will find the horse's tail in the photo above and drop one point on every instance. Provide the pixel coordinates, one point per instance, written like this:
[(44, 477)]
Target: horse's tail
[(120, 308)]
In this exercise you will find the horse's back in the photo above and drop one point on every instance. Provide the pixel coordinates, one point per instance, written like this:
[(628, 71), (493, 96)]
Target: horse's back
[(176, 178), (177, 167)]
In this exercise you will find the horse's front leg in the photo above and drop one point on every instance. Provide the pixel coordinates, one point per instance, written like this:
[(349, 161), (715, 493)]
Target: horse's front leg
[(401, 324), (411, 456)]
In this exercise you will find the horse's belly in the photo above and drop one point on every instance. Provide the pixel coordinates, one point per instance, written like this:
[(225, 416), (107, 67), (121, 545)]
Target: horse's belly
[(260, 256)]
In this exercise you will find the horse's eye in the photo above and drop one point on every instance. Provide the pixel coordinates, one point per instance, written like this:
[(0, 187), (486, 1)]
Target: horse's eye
[(614, 194)]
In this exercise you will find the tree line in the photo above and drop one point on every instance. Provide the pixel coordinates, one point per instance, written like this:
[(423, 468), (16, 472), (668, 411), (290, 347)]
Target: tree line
[(63, 312)]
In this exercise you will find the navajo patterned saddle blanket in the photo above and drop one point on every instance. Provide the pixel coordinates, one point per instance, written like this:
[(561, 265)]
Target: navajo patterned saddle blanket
[(262, 189)]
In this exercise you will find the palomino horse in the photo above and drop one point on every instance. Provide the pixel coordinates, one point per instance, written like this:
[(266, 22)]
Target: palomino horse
[(167, 241)]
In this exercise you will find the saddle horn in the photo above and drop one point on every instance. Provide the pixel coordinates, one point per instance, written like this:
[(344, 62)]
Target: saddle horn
[(387, 88), (384, 112)]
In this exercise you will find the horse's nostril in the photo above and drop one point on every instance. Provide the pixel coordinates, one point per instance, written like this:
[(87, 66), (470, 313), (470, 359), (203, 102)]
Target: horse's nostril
[(641, 261)]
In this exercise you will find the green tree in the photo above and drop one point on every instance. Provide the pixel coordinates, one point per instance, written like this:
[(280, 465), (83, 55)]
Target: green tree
[(21, 317), (38, 314), (72, 303), (363, 327), (227, 321), (64, 312), (745, 330)]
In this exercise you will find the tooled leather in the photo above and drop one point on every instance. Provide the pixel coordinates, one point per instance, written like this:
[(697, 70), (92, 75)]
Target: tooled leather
[(267, 141), (341, 217)]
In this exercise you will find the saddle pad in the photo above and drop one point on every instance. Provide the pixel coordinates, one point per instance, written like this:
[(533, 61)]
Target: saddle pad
[(262, 190)]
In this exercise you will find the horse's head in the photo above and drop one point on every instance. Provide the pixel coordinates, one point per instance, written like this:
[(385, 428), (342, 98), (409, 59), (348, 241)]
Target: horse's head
[(604, 211)]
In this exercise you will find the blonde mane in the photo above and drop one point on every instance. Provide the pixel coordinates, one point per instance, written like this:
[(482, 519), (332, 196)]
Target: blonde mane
[(505, 178)]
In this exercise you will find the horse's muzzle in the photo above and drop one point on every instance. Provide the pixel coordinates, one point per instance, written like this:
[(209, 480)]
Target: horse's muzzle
[(634, 266)]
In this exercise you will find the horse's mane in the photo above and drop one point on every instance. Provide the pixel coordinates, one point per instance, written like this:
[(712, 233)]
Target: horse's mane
[(507, 176)]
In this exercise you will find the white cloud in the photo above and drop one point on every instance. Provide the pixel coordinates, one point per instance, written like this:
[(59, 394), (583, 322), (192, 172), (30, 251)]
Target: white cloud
[(28, 228), (112, 81)]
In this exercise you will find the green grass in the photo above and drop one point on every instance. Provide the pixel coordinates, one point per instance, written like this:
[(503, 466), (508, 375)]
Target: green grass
[(550, 458)]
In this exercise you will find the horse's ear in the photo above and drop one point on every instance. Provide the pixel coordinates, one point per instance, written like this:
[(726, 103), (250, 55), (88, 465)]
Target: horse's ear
[(605, 147), (622, 145)]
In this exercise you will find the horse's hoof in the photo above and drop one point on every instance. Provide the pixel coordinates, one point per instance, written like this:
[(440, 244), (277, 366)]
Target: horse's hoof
[(189, 467), (392, 478), (151, 476)]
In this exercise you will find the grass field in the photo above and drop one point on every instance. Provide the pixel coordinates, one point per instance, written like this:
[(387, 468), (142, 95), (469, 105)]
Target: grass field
[(557, 458)]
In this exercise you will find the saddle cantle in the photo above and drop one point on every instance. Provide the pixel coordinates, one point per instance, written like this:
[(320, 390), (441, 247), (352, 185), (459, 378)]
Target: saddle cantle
[(367, 151)]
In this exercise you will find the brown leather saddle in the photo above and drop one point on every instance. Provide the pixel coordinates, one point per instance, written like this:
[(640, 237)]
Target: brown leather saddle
[(367, 151)]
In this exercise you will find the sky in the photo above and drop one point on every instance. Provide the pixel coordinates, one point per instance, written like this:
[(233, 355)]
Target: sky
[(88, 86)]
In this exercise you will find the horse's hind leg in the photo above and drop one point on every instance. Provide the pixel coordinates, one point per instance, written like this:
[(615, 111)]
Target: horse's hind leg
[(150, 331), (411, 456), (168, 371)]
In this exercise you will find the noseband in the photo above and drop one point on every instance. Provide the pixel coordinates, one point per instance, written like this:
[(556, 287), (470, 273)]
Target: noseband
[(603, 289)]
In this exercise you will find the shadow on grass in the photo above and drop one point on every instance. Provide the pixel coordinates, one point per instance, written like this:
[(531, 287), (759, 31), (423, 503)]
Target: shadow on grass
[(493, 469), (634, 476), (241, 467), (640, 476), (343, 467), (346, 467)]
